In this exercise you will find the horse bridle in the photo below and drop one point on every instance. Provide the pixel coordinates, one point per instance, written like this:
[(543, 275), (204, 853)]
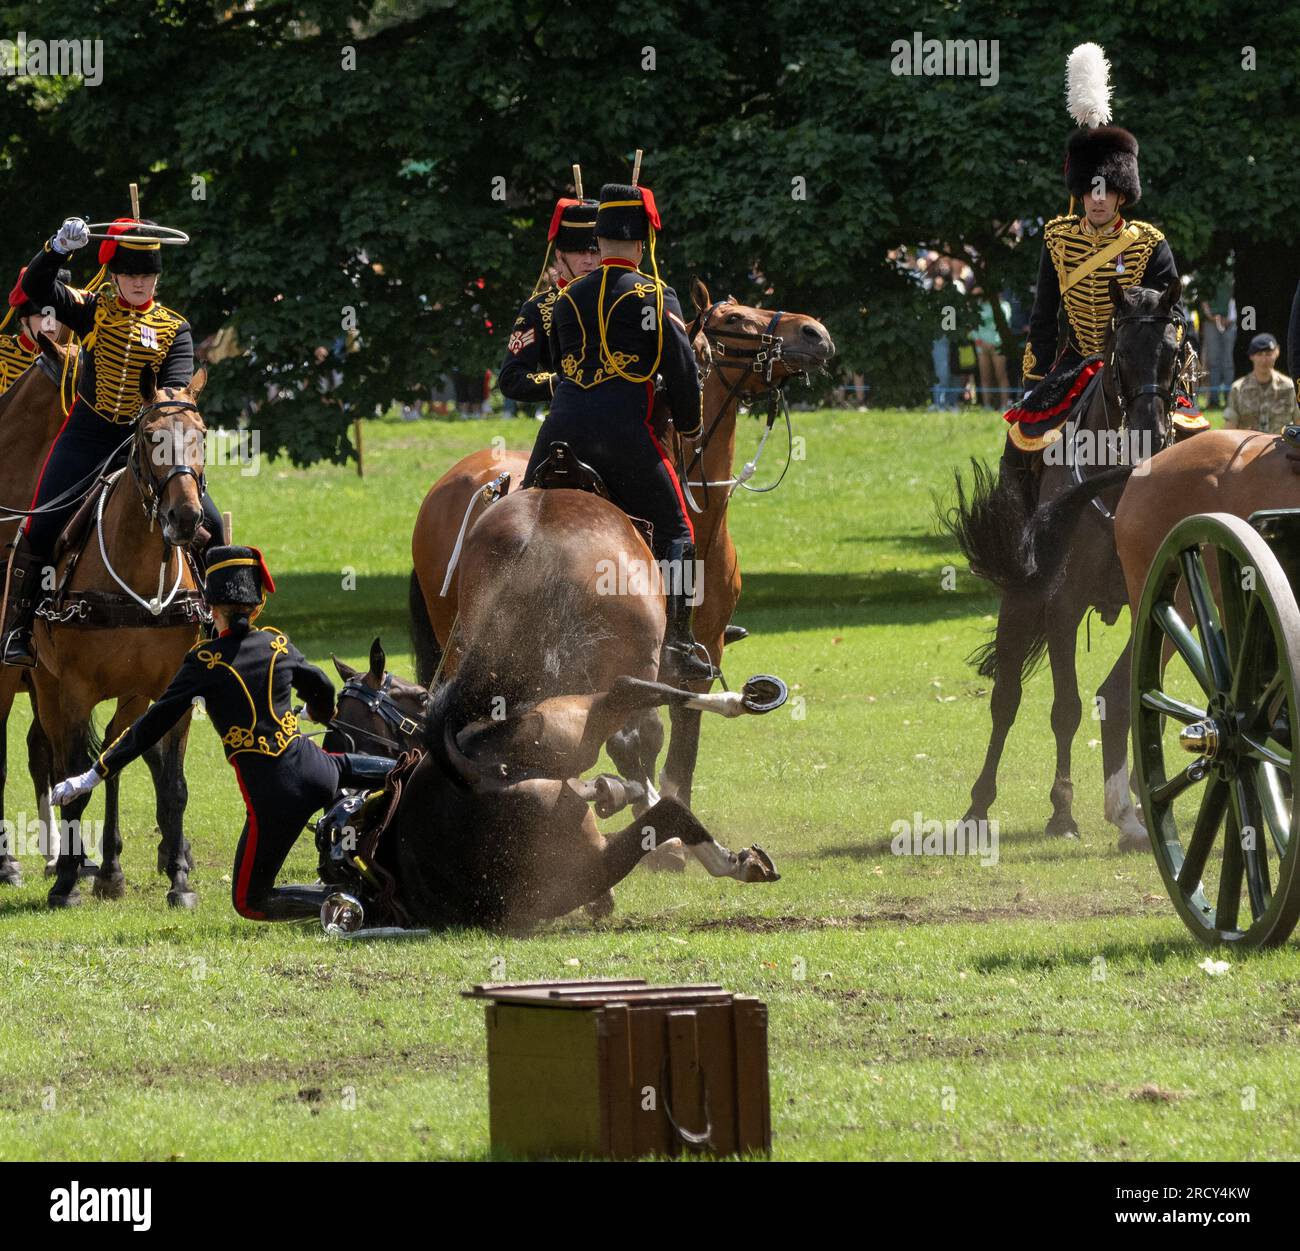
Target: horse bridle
[(1166, 393), (381, 703), (152, 491), (761, 358)]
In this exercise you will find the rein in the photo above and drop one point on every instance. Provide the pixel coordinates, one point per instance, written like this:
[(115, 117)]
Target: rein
[(151, 493), (382, 704), (1125, 396), (761, 358)]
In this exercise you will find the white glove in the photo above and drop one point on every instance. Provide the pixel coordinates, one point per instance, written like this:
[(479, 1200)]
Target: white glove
[(73, 788), (73, 234)]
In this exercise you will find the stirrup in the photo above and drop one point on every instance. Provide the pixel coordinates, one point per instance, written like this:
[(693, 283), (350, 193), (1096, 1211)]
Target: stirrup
[(24, 659), (687, 662)]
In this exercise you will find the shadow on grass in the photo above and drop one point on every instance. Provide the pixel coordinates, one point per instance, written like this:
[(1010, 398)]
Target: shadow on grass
[(322, 616), (1146, 951)]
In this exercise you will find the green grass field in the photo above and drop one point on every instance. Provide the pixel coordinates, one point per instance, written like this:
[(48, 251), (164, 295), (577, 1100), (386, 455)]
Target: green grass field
[(1049, 1006)]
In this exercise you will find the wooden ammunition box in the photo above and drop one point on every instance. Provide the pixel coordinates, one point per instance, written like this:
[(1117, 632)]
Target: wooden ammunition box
[(621, 1069)]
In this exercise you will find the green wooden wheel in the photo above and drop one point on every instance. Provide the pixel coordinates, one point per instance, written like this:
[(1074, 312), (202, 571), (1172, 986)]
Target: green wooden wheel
[(1216, 659)]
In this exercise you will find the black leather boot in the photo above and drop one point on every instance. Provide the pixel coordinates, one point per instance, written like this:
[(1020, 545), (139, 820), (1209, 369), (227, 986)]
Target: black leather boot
[(22, 589), (368, 772), (683, 658)]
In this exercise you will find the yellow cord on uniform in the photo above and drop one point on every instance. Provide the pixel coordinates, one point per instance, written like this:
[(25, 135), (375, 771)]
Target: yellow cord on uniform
[(546, 260), (602, 320)]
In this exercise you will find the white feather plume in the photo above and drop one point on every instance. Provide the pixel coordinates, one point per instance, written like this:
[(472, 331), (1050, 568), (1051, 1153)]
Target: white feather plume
[(1087, 85)]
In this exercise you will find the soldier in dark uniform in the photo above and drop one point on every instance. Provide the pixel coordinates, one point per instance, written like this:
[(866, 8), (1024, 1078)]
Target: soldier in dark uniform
[(244, 677), (611, 333), (528, 373), (20, 350), (122, 335)]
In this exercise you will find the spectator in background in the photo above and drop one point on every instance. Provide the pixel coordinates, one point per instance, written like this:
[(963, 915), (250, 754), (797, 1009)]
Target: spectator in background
[(995, 390), (1218, 340), (941, 348), (1264, 399)]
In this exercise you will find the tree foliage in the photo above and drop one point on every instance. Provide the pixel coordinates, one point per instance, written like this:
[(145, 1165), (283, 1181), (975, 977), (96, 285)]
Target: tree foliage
[(347, 153)]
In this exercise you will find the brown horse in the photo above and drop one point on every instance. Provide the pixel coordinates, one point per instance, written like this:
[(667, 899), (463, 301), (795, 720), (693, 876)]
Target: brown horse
[(1221, 471), (747, 354), (116, 646), (31, 414), (494, 827)]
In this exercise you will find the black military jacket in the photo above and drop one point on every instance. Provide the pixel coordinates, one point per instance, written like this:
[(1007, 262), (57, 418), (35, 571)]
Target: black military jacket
[(244, 685), (527, 374), (589, 380), (120, 340)]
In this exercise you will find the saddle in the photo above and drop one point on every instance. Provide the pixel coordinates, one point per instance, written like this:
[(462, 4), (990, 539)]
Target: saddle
[(366, 818), (562, 469), (1037, 418)]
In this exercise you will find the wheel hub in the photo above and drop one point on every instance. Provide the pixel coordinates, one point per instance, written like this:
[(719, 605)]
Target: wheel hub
[(1201, 738)]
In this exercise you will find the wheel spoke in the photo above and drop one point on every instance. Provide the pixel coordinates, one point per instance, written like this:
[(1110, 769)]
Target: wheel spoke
[(1277, 811), (1258, 750), (1265, 710), (1232, 597), (1230, 875), (1175, 628), (1171, 788), (1248, 648), (1208, 820), (1158, 701), (1250, 833), (1207, 616)]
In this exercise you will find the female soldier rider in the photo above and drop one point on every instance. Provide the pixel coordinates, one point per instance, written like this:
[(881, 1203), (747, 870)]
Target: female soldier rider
[(244, 677), (122, 335)]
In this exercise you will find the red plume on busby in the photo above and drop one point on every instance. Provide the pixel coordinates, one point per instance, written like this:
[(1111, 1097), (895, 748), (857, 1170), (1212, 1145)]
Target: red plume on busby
[(573, 225)]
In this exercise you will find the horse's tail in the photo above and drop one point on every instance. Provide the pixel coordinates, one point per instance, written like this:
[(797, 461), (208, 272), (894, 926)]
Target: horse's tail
[(424, 642), (990, 527), (985, 657), (1050, 528)]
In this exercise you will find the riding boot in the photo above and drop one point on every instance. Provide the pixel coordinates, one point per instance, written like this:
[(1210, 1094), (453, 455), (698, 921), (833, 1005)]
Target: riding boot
[(368, 772), (683, 658), (293, 903), (21, 593)]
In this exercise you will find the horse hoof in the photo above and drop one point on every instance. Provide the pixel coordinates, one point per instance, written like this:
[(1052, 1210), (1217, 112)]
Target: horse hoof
[(666, 860), (182, 899), (600, 907), (763, 693), (756, 866), (112, 887), (1062, 827), (11, 874), (1129, 841), (70, 899)]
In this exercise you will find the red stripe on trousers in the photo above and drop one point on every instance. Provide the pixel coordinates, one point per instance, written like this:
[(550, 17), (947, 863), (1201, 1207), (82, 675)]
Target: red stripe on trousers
[(245, 867), (27, 523), (663, 456)]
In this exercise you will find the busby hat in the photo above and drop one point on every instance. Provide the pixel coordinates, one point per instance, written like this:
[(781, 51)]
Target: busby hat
[(1097, 150), (626, 212), (573, 225), (22, 304), (132, 250), (236, 575)]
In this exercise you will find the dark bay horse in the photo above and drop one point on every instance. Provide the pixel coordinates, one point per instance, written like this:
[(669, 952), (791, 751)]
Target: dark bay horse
[(120, 649), (494, 827), (747, 355), (1144, 354)]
